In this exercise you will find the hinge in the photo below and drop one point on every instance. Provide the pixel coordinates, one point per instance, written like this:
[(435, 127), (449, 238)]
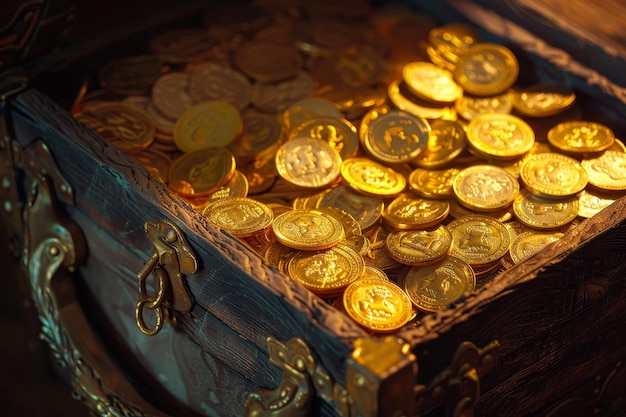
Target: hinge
[(172, 258)]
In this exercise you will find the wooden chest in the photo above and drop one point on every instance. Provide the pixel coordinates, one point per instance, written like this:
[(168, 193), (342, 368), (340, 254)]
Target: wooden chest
[(544, 338)]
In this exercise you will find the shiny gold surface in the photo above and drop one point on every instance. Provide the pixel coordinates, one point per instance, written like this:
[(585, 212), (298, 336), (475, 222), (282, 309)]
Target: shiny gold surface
[(553, 175), (372, 178), (308, 162), (307, 230), (214, 123), (241, 216), (478, 240)]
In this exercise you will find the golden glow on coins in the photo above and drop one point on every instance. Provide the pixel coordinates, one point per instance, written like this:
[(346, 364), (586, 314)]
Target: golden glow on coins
[(377, 305), (608, 171), (407, 211), (307, 230), (430, 82), (209, 124), (479, 240), (372, 178), (500, 135), (240, 216), (419, 247), (529, 243), (201, 172), (487, 69), (485, 187), (308, 162), (543, 213), (553, 175), (581, 137)]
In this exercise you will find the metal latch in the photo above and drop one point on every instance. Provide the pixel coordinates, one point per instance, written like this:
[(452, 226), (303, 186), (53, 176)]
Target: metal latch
[(172, 259)]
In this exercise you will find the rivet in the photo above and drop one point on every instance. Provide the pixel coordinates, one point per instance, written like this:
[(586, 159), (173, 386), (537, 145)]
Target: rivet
[(170, 235), (360, 381), (53, 251), (64, 188), (300, 364)]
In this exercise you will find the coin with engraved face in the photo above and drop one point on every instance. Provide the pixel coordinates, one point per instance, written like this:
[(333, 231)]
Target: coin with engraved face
[(212, 81), (240, 216), (419, 247), (529, 243), (543, 100), (210, 124), (377, 305), (487, 69), (372, 178), (201, 172), (308, 162), (485, 187), (478, 240), (308, 229), (608, 171), (365, 209), (500, 135), (553, 175), (408, 211), (339, 133), (581, 137), (434, 287), (431, 183), (326, 272), (544, 213), (446, 141)]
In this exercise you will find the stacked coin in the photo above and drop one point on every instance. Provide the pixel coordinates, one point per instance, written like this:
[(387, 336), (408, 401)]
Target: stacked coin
[(326, 141)]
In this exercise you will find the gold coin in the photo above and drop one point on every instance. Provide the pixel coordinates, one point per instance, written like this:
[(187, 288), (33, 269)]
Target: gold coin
[(340, 134), (130, 76), (434, 287), (419, 247), (371, 272), (277, 255), (372, 178), (377, 254), (403, 99), (180, 46), (170, 96), (240, 216), (470, 107), (377, 305), (366, 210), (608, 171), (278, 96), (515, 228), (326, 272), (543, 100), (124, 125), (158, 163), (485, 187), (479, 240), (307, 109), (237, 186), (266, 61), (457, 210), (430, 82), (212, 81), (542, 213), (591, 202), (529, 243), (201, 172), (446, 141), (359, 243), (260, 173), (453, 38), (308, 230), (618, 146), (308, 162), (487, 69), (352, 101), (394, 136), (350, 225), (553, 175), (581, 137), (500, 135), (407, 211), (433, 183), (210, 124), (261, 134)]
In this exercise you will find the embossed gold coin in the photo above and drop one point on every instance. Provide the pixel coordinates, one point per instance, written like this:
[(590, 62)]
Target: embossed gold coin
[(408, 211), (419, 247), (529, 243), (479, 240), (608, 171), (403, 99), (458, 210), (543, 213), (350, 226), (500, 135), (126, 126), (377, 305), (581, 137), (210, 124), (371, 272), (212, 81), (434, 287), (543, 100), (394, 136), (326, 272), (553, 175), (261, 133), (237, 186), (307, 230), (308, 162), (169, 94), (591, 202), (365, 209), (201, 172), (452, 40), (430, 82), (339, 133), (470, 107), (433, 183), (240, 216), (278, 255), (446, 141), (372, 178), (377, 254), (487, 69), (307, 109), (267, 61), (485, 187)]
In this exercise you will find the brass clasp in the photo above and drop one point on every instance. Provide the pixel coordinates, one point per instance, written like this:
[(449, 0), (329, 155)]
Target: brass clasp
[(171, 259)]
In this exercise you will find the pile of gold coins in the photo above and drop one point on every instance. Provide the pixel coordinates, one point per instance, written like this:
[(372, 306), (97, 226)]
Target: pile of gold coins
[(387, 164)]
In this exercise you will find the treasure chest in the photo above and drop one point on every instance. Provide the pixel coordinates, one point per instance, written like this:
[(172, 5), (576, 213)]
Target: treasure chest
[(150, 308)]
